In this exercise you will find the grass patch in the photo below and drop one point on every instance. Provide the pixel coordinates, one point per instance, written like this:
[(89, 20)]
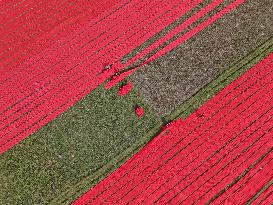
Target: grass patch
[(225, 78), (76, 150), (84, 185)]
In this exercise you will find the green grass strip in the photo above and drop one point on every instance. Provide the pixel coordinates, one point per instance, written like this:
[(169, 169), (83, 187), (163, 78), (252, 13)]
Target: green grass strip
[(76, 150), (90, 181), (228, 76)]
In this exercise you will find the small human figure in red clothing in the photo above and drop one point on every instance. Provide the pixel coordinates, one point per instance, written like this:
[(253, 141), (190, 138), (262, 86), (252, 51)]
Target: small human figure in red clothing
[(139, 111)]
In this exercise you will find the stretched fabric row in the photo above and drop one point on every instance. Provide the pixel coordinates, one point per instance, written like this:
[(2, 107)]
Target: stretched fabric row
[(60, 74)]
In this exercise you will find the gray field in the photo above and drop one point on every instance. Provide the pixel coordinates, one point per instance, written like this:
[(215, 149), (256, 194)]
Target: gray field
[(175, 77)]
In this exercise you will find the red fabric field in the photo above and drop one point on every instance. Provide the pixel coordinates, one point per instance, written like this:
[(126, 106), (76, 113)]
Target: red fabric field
[(52, 57), (266, 197), (223, 150)]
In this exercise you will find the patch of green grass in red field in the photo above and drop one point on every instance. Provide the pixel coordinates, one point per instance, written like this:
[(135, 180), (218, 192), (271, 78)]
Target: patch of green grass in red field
[(75, 151)]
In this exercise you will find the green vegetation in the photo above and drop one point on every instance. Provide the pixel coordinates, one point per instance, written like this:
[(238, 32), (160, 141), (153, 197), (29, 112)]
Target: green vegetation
[(212, 88), (75, 151)]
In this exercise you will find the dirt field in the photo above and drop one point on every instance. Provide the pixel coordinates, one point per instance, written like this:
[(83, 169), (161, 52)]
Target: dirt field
[(171, 79)]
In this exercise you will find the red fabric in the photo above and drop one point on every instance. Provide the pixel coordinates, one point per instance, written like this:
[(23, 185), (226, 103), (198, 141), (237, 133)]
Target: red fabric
[(68, 66), (72, 46), (139, 111)]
